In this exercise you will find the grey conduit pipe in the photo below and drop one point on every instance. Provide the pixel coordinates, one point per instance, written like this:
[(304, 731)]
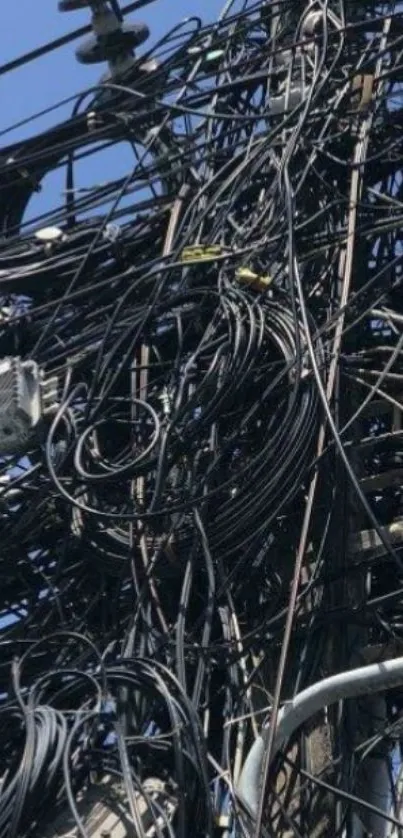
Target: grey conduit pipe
[(351, 684)]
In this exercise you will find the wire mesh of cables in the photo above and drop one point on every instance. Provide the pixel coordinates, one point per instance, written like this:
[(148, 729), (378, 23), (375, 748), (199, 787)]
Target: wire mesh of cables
[(205, 520)]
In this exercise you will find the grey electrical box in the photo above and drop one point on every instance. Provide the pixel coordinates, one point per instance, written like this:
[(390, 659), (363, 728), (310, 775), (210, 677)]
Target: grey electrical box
[(20, 404)]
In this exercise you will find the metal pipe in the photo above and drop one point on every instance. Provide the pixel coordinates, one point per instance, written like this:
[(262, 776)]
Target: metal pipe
[(351, 684)]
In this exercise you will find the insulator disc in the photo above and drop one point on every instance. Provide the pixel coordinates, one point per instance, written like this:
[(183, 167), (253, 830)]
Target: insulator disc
[(72, 5), (95, 50)]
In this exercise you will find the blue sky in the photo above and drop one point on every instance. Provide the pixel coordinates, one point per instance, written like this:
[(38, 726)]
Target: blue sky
[(40, 84), (28, 23)]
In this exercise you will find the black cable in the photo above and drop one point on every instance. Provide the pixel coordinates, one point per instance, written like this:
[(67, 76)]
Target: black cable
[(217, 335)]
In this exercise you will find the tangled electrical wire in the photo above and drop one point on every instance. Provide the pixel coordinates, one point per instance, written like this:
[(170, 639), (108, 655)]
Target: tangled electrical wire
[(206, 520)]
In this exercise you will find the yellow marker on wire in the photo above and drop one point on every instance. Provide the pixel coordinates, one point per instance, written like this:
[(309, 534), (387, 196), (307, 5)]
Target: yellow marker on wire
[(254, 280), (201, 253)]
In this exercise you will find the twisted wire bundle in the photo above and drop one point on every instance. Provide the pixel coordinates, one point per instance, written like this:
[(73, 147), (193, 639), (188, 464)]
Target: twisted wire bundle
[(224, 324)]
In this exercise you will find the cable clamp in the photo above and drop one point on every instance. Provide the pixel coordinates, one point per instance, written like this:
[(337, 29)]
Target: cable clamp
[(92, 121)]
